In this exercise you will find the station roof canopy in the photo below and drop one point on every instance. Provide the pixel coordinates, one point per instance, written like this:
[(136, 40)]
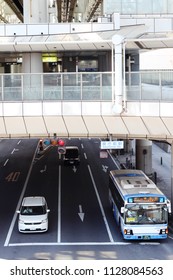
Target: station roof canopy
[(135, 37), (120, 127)]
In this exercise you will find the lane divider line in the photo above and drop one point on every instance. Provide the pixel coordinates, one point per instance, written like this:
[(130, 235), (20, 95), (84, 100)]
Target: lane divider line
[(59, 207), (101, 207)]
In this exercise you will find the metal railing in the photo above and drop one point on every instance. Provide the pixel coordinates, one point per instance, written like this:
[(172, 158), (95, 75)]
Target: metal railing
[(56, 86), (149, 85), (85, 86)]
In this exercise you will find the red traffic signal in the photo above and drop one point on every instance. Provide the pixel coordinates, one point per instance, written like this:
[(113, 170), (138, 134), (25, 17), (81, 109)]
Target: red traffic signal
[(57, 142), (61, 142)]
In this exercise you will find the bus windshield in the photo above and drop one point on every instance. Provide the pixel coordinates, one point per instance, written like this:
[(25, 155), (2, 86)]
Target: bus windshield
[(146, 214)]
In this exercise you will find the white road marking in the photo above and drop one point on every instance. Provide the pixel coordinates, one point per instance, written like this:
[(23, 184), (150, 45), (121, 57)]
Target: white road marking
[(149, 243), (81, 213), (70, 244), (43, 170), (74, 169), (85, 156), (7, 240), (105, 168), (18, 142), (59, 207), (101, 207), (6, 162), (14, 150)]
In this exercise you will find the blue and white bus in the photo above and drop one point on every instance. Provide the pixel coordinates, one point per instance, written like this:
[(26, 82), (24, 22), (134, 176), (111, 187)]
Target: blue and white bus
[(139, 207)]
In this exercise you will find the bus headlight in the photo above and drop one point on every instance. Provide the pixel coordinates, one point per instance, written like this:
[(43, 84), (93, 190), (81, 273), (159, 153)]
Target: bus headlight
[(164, 231), (128, 232)]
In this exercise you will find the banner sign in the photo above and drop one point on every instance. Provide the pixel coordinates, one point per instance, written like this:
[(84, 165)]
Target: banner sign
[(105, 145)]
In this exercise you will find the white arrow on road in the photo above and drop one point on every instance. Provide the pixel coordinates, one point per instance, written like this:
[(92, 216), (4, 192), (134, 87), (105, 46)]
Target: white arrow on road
[(81, 213), (43, 170), (105, 168), (74, 169)]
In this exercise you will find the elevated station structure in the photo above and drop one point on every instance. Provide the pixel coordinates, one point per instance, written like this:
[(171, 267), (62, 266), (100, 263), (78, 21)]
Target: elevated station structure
[(61, 60), (72, 68)]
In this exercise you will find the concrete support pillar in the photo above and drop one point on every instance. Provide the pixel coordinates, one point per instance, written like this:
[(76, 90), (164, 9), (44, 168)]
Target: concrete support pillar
[(35, 11), (144, 156), (32, 63), (117, 41)]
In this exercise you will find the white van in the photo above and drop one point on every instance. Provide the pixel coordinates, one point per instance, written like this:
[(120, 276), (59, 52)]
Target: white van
[(33, 215)]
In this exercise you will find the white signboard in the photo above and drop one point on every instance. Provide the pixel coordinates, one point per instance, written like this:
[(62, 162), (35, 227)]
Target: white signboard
[(105, 145)]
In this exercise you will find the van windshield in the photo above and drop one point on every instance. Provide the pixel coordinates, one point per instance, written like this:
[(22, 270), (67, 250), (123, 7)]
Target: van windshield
[(33, 210), (71, 153)]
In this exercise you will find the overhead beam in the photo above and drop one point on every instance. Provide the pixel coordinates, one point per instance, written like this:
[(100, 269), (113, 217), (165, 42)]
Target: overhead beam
[(71, 10), (16, 7), (59, 7), (3, 19), (93, 9)]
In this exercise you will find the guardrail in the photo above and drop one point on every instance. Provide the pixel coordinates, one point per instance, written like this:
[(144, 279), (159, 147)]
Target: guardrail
[(85, 86)]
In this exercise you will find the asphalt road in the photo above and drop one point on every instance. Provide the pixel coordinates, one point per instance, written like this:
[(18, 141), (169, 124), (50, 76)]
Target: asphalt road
[(81, 225)]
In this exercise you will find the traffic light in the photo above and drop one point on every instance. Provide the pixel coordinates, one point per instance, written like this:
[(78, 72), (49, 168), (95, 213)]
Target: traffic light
[(46, 142), (57, 142), (61, 142), (40, 145), (53, 142)]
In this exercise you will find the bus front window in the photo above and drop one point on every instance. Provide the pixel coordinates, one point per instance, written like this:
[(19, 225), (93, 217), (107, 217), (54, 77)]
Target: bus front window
[(146, 214)]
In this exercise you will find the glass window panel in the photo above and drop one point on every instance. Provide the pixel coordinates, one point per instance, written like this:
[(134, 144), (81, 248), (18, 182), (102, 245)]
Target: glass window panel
[(71, 86), (144, 7), (138, 6), (159, 6), (133, 88), (169, 7), (110, 6), (52, 87), (12, 88), (129, 7), (32, 87), (167, 85), (150, 86), (91, 86), (106, 86)]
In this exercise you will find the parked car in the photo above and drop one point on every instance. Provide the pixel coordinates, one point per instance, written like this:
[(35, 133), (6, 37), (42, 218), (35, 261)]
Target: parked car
[(71, 155), (33, 214)]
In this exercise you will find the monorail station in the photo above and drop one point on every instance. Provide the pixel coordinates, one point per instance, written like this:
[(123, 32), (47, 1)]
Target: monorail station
[(73, 68)]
